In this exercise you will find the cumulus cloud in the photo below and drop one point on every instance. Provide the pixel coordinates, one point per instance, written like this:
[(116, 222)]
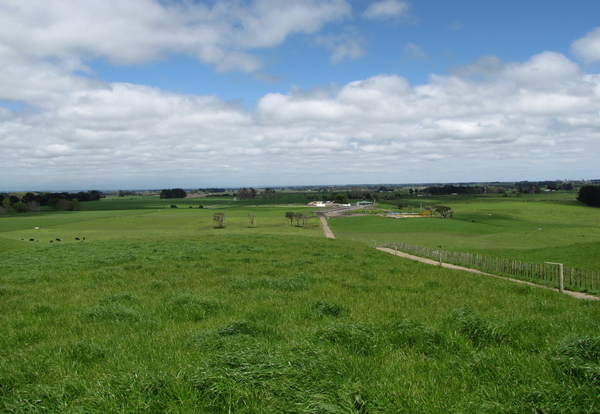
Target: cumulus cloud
[(138, 31), (506, 121), (588, 47), (385, 9)]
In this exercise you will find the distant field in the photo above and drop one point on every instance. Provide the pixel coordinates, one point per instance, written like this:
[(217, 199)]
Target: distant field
[(144, 223), (535, 231)]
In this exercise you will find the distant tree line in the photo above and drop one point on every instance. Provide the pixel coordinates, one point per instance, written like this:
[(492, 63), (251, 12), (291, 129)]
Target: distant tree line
[(45, 199), (55, 201), (590, 195), (211, 190), (449, 189), (173, 193)]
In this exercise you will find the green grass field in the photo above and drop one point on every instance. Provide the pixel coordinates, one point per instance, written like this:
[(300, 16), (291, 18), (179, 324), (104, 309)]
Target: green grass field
[(531, 231), (159, 311)]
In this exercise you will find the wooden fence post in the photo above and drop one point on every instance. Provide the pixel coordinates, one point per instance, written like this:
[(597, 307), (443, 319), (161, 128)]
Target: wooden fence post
[(560, 276)]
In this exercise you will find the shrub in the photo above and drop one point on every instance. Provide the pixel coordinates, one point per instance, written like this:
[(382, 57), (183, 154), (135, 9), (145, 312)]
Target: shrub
[(64, 205), (20, 207), (174, 206)]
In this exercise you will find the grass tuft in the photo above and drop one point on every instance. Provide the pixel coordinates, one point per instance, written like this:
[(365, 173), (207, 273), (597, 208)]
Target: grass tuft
[(328, 309), (580, 357), (477, 329), (112, 312), (353, 337), (86, 352), (190, 306), (292, 283)]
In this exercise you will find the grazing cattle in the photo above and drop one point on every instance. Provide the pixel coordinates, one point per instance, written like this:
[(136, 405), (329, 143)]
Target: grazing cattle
[(84, 238), (51, 241), (76, 238), (57, 239), (31, 239)]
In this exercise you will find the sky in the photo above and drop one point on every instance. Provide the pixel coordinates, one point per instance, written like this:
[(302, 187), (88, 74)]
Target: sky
[(143, 94)]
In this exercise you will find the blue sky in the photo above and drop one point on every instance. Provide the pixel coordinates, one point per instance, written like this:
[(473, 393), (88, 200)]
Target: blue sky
[(153, 94)]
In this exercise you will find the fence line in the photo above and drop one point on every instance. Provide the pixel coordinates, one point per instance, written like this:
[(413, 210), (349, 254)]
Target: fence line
[(575, 279)]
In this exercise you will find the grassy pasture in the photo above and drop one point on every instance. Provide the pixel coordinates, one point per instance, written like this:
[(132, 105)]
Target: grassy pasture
[(17, 230), (159, 311), (536, 231), (232, 322)]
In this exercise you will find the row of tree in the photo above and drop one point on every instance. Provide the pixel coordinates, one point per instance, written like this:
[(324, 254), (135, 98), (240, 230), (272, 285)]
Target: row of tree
[(45, 198), (173, 193), (299, 217), (590, 195)]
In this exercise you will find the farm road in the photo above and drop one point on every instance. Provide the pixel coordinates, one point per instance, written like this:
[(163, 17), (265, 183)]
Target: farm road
[(328, 231)]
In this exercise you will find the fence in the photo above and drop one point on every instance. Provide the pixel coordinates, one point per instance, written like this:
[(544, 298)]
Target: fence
[(575, 279)]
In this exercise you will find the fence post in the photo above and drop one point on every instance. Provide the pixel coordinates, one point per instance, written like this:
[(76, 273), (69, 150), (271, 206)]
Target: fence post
[(561, 280), (561, 276)]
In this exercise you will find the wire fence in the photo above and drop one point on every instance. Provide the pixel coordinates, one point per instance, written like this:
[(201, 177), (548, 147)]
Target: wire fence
[(546, 273)]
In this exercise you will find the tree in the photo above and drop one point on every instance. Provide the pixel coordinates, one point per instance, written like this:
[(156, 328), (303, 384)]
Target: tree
[(20, 207), (94, 195), (268, 193), (568, 187), (252, 219), (444, 211), (300, 217), (76, 204), (173, 193), (33, 205), (64, 205), (53, 202), (246, 193), (6, 204), (400, 206), (588, 194), (290, 215), (304, 219), (340, 198), (219, 218), (121, 193)]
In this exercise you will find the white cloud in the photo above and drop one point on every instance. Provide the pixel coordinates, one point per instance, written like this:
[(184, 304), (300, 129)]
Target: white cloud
[(138, 31), (506, 123), (414, 52), (348, 44), (385, 9), (588, 47)]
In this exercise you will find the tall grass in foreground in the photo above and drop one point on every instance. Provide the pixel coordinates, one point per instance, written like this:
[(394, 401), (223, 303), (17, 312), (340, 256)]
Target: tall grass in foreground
[(260, 323)]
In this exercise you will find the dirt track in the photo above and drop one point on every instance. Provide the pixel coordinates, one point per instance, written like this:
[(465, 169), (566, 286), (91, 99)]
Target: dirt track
[(328, 231), (577, 295)]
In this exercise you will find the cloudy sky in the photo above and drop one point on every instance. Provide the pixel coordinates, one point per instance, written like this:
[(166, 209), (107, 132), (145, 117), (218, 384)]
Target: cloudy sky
[(133, 94)]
